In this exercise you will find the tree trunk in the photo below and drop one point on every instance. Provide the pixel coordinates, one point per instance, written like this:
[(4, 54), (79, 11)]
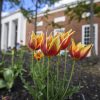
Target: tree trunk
[(1, 4), (92, 34), (36, 11)]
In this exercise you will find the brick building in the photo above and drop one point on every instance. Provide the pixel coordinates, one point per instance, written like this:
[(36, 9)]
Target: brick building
[(45, 24)]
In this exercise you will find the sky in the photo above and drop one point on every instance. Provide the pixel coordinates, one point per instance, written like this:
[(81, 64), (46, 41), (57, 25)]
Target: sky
[(62, 2), (7, 8)]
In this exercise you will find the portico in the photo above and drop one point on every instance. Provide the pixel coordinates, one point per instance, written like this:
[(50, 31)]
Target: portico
[(13, 30)]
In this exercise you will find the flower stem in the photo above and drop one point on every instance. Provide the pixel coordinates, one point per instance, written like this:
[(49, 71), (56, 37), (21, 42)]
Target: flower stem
[(43, 61), (65, 64), (12, 58), (58, 69), (48, 78), (32, 57), (64, 75), (70, 78)]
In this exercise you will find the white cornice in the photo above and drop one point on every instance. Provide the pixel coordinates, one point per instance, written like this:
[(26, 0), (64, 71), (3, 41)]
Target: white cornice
[(52, 11), (62, 8)]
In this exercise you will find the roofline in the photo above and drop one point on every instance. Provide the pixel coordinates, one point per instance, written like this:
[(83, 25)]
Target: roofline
[(61, 8), (11, 14), (51, 11)]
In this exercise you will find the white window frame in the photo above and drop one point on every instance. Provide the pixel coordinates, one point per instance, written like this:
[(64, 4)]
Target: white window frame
[(58, 30), (59, 19), (40, 23), (96, 36), (39, 32)]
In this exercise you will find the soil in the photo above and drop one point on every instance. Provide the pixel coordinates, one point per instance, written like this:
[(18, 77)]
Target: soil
[(87, 75)]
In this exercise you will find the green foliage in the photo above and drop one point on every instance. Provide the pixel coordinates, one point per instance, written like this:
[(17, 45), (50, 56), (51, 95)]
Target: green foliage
[(47, 78), (9, 72), (17, 2), (56, 85), (8, 75), (2, 83), (97, 11), (38, 75), (75, 12)]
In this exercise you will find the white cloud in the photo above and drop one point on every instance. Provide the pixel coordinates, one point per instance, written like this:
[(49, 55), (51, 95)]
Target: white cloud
[(45, 8)]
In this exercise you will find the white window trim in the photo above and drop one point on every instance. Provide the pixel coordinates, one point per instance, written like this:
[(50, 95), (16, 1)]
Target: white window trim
[(39, 32), (55, 30), (59, 19), (40, 23), (96, 36)]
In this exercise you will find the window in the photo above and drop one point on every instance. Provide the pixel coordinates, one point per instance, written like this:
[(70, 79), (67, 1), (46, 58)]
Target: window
[(86, 35), (59, 19), (39, 32), (58, 31), (40, 23)]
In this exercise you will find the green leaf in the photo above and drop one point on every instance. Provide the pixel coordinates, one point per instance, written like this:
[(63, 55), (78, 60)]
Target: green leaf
[(9, 77), (8, 74), (2, 83)]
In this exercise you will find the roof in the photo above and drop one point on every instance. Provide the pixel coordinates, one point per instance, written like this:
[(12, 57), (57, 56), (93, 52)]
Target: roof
[(60, 8), (12, 13)]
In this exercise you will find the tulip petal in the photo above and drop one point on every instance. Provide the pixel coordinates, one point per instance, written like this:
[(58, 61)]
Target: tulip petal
[(73, 48), (44, 44), (32, 44), (35, 41), (39, 41), (49, 40), (66, 42), (54, 46), (85, 51), (69, 33), (38, 55)]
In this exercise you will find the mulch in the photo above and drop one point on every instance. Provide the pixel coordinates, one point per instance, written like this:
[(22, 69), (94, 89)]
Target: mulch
[(87, 75)]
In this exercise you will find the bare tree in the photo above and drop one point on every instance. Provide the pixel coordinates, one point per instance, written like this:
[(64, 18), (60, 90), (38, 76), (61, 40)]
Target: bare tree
[(1, 4), (76, 12), (26, 12), (92, 34)]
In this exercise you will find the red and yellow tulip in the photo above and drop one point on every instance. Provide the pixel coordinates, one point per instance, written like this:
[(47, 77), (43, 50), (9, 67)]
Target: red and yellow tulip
[(65, 39), (79, 51), (35, 41), (50, 45), (38, 55)]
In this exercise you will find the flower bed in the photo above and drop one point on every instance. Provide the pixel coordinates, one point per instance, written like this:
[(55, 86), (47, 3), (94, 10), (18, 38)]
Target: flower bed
[(44, 73), (89, 80)]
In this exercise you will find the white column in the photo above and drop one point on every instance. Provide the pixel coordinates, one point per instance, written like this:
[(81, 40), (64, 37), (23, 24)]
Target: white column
[(24, 30), (2, 37), (10, 35), (13, 35), (19, 30)]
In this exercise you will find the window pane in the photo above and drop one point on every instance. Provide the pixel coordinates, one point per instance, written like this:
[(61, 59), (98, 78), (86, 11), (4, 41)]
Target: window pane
[(87, 41)]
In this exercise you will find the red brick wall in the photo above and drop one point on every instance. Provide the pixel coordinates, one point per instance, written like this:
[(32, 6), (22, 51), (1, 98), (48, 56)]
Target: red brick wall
[(75, 25)]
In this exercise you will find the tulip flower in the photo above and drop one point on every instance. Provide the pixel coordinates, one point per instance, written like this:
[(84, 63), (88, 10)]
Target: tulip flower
[(38, 55), (50, 45), (79, 51), (65, 39), (35, 41)]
